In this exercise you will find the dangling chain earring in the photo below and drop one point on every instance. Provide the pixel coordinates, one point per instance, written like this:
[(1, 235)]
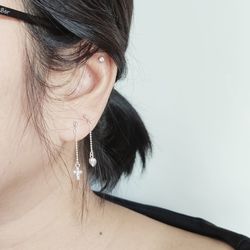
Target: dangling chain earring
[(77, 171), (92, 159)]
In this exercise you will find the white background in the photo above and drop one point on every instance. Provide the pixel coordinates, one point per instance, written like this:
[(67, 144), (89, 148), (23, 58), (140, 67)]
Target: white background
[(189, 78)]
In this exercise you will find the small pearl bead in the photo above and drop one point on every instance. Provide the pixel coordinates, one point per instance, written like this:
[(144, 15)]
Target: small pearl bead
[(92, 161), (101, 59)]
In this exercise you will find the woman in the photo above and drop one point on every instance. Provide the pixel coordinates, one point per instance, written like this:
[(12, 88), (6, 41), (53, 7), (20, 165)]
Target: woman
[(58, 68)]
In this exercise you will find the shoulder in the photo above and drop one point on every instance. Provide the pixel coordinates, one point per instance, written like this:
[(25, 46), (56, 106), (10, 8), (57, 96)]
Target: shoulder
[(147, 233)]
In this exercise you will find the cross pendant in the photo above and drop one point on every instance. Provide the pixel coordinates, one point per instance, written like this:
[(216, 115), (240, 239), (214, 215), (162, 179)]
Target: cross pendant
[(77, 171)]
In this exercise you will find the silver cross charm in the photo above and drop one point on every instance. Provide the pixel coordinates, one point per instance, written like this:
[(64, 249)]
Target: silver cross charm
[(77, 171)]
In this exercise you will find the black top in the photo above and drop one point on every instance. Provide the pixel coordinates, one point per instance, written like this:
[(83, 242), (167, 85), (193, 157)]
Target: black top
[(186, 222)]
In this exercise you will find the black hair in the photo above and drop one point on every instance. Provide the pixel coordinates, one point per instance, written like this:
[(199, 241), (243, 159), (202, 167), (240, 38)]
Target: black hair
[(88, 26)]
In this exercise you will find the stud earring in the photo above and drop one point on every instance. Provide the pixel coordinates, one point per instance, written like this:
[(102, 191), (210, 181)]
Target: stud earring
[(101, 59), (77, 172), (92, 159)]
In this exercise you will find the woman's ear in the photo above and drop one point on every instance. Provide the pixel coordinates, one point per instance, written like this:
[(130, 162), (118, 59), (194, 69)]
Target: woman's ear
[(92, 84)]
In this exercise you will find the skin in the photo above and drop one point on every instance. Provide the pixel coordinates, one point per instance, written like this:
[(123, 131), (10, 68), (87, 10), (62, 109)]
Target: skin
[(39, 209), (34, 200)]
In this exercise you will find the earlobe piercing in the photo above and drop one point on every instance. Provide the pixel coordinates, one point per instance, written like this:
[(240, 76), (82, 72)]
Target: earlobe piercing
[(101, 59)]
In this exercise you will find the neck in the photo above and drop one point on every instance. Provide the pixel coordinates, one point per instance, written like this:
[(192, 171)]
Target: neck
[(44, 206)]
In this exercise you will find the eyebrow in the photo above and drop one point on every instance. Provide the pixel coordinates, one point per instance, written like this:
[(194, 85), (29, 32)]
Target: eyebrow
[(26, 17)]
